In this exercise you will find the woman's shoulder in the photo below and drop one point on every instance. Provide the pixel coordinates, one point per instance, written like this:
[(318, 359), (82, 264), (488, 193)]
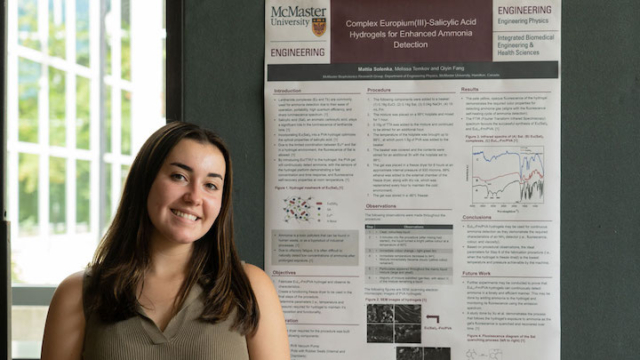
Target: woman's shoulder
[(260, 282), (71, 286), (270, 340), (262, 286), (68, 295), (253, 271), (65, 321)]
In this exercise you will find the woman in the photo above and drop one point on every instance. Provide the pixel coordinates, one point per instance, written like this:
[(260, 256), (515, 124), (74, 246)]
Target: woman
[(166, 281)]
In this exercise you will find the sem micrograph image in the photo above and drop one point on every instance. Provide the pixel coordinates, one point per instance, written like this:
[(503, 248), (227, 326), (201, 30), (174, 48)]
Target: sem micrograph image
[(379, 333), (407, 314), (394, 323), (432, 353), (379, 313), (408, 353), (407, 334)]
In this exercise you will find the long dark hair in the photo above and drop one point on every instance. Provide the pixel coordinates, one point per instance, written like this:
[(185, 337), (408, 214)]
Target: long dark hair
[(122, 257)]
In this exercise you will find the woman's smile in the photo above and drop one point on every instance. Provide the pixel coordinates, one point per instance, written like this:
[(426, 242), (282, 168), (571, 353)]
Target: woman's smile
[(184, 215)]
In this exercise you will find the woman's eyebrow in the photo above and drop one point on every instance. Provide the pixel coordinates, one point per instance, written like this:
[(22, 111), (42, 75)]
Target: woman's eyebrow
[(189, 169)]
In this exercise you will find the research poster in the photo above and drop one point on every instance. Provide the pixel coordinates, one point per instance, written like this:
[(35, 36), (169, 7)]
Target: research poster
[(413, 177)]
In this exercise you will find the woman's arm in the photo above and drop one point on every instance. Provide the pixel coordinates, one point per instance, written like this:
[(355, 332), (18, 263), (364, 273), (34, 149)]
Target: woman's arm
[(64, 329), (270, 342)]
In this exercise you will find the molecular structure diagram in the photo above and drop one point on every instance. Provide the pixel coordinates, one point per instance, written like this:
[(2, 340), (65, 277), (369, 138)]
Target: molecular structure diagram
[(494, 354), (300, 209)]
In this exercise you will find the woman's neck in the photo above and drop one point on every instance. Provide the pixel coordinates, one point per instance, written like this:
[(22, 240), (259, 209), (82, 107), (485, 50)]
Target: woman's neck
[(169, 260)]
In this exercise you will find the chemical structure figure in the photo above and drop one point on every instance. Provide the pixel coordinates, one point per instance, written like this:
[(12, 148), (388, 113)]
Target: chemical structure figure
[(494, 354), (300, 209)]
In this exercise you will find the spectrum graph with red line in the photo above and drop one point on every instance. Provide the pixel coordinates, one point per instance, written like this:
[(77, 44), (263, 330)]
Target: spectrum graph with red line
[(508, 175)]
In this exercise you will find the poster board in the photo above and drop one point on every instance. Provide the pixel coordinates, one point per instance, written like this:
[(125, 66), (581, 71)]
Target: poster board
[(414, 149), (598, 229)]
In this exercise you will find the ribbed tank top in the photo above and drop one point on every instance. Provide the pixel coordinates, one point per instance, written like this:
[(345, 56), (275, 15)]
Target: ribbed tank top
[(186, 337)]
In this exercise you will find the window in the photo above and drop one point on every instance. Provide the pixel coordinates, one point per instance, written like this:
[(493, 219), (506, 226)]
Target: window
[(80, 102)]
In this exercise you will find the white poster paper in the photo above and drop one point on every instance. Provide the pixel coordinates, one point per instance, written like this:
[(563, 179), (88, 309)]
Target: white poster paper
[(413, 177)]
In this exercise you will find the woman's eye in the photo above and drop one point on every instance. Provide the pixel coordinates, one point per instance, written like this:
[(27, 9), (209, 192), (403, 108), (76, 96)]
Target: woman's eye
[(212, 186), (178, 177)]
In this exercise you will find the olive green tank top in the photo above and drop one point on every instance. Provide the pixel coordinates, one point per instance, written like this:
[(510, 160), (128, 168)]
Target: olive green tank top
[(185, 337)]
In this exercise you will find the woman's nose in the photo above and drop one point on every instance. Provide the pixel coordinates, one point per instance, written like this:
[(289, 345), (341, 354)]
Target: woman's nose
[(193, 195)]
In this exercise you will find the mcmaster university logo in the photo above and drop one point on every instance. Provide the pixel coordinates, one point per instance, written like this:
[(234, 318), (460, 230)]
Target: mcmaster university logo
[(319, 26), (314, 17)]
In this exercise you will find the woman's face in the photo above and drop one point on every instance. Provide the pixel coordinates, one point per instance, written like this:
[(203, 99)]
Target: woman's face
[(185, 197)]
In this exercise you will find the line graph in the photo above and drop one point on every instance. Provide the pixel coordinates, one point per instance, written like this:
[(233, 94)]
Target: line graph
[(508, 175)]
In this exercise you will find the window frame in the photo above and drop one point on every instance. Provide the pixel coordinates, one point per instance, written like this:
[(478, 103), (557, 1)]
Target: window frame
[(5, 271), (29, 295)]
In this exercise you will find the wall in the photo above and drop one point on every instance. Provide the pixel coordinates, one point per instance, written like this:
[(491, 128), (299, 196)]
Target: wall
[(600, 282), (223, 76), (222, 89)]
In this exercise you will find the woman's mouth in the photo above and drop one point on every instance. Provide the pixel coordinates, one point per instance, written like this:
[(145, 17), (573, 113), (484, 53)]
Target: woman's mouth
[(184, 215)]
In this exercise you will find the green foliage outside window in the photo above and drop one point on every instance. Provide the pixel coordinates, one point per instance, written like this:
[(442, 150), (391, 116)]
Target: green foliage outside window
[(15, 272), (126, 123), (83, 112), (28, 87), (82, 32), (28, 24), (29, 103), (57, 20), (28, 173), (83, 196), (107, 205), (57, 195), (108, 39), (57, 108), (125, 41), (107, 121)]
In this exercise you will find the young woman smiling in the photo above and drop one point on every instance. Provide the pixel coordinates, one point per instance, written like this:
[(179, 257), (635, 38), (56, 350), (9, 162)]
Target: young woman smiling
[(166, 281)]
